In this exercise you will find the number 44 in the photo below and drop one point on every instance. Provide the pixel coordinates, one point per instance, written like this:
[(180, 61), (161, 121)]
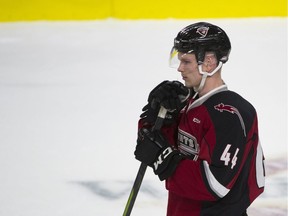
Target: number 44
[(226, 156)]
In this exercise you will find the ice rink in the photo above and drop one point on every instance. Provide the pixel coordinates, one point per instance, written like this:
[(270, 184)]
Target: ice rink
[(71, 94)]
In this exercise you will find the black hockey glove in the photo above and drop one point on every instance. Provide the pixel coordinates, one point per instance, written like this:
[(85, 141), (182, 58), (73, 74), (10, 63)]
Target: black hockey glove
[(172, 95), (154, 150)]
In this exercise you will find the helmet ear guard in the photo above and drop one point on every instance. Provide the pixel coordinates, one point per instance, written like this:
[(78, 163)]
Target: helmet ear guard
[(200, 55)]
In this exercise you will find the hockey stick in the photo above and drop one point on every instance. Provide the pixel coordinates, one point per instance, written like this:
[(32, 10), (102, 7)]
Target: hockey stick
[(142, 168)]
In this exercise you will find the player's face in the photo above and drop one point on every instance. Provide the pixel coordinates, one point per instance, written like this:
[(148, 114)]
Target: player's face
[(188, 68)]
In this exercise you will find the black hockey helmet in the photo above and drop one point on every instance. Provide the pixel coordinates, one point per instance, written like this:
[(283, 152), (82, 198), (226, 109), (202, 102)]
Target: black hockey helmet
[(201, 37)]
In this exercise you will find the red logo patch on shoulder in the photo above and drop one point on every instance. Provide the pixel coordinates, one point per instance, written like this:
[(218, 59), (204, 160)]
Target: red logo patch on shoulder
[(228, 108), (222, 107)]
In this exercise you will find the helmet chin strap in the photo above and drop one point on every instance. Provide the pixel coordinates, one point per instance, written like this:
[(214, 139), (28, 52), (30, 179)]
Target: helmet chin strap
[(204, 77)]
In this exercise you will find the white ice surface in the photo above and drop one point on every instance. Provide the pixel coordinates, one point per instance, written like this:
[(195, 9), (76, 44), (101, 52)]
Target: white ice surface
[(71, 94)]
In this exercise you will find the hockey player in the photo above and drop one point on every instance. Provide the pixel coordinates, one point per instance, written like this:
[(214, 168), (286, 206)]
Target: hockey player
[(208, 149)]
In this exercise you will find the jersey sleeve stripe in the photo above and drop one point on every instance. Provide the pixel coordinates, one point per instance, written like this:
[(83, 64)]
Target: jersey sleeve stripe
[(215, 186), (260, 167)]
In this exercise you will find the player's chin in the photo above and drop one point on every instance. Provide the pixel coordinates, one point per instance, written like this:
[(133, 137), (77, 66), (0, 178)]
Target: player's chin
[(188, 84)]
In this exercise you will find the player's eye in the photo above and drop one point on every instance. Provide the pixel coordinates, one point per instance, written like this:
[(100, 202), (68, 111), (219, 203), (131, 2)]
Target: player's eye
[(185, 62)]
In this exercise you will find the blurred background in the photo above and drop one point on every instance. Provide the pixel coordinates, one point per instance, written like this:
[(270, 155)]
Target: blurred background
[(74, 76)]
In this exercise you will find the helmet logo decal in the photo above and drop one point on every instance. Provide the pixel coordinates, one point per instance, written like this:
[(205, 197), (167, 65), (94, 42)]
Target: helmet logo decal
[(202, 31)]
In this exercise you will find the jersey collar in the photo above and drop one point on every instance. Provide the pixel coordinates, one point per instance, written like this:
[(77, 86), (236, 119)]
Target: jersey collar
[(205, 97)]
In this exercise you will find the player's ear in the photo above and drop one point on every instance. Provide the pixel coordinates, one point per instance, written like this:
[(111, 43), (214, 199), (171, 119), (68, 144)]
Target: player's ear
[(210, 61)]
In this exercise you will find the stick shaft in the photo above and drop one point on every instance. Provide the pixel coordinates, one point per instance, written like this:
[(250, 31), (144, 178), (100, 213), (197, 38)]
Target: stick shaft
[(142, 169)]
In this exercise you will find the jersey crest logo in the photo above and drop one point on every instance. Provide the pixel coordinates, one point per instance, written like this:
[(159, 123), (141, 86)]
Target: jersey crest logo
[(203, 31), (188, 145), (228, 108)]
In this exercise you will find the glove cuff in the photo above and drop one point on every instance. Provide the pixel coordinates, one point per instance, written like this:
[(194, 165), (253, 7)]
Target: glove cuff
[(166, 163)]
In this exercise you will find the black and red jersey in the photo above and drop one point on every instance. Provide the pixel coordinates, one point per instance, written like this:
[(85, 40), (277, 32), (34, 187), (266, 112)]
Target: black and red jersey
[(224, 169)]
